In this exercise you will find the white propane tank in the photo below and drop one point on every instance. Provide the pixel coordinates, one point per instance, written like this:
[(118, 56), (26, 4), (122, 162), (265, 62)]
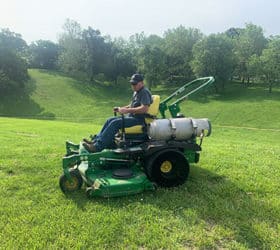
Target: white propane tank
[(178, 128)]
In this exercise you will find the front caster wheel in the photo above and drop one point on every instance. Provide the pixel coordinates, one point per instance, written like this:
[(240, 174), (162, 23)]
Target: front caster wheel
[(69, 186)]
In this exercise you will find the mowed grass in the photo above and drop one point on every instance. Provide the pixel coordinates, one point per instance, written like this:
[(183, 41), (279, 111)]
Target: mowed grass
[(50, 95), (231, 199), (54, 96)]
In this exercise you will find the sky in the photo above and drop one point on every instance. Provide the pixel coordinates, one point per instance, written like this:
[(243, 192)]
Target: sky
[(44, 19)]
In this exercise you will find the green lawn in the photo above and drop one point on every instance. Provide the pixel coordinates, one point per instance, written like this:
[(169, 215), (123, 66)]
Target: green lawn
[(231, 199), (53, 96), (62, 98)]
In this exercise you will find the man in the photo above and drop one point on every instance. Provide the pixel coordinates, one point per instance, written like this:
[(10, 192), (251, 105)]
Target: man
[(136, 111)]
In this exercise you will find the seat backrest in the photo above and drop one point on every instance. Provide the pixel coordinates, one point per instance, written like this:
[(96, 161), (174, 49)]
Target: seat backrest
[(152, 111), (153, 108)]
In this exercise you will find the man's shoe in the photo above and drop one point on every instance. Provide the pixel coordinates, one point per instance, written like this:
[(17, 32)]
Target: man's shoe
[(89, 147), (87, 141)]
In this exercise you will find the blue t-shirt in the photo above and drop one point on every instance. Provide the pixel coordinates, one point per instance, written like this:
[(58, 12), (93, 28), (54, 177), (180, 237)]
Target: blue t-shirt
[(141, 97)]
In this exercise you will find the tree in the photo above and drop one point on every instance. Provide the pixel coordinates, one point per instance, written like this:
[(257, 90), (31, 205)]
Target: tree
[(213, 56), (13, 72), (151, 59), (121, 60), (97, 52), (43, 54), (12, 41), (13, 68), (178, 45), (255, 69), (249, 41), (270, 61), (72, 59), (152, 64)]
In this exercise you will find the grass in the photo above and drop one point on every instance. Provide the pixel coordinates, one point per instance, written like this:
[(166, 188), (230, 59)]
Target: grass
[(231, 199), (53, 96)]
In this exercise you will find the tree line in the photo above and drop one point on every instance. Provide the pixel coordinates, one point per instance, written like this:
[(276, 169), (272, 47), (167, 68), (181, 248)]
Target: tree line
[(179, 55)]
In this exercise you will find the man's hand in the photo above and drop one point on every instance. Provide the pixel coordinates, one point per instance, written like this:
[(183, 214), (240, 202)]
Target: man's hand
[(123, 110), (138, 110)]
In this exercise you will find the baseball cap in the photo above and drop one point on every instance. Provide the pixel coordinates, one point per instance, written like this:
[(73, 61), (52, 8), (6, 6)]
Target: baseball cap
[(136, 78)]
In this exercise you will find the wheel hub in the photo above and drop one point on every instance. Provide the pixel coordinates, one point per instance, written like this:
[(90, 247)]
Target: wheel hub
[(166, 167), (71, 184)]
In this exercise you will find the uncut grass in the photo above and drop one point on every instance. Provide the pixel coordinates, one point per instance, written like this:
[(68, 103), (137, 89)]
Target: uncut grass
[(231, 199)]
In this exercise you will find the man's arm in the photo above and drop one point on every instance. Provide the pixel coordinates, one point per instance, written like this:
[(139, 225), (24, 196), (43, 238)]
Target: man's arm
[(137, 110)]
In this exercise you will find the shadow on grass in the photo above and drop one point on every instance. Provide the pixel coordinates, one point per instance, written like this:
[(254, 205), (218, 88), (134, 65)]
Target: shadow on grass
[(215, 200), (20, 104)]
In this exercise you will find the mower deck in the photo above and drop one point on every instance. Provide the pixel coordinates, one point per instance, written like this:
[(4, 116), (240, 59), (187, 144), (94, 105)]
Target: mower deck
[(115, 182)]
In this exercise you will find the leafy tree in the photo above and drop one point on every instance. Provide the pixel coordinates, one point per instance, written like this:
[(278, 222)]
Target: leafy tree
[(135, 44), (121, 63), (213, 56), (152, 64), (72, 59), (249, 41), (97, 52), (178, 45), (255, 69), (13, 68), (12, 41), (43, 54), (270, 61), (150, 58), (13, 72)]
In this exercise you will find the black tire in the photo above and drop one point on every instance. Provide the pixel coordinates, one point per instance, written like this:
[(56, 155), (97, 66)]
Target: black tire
[(70, 186), (168, 168)]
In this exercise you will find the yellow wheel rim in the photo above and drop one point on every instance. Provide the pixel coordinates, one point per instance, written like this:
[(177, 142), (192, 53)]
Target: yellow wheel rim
[(70, 185), (166, 167)]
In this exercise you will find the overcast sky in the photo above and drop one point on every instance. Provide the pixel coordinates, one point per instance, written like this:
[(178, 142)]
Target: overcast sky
[(38, 19)]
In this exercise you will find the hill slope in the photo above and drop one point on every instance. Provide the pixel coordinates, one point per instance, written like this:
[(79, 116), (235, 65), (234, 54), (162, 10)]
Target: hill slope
[(231, 199), (53, 96)]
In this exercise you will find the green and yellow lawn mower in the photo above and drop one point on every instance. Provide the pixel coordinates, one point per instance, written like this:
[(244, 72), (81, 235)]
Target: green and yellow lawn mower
[(144, 158)]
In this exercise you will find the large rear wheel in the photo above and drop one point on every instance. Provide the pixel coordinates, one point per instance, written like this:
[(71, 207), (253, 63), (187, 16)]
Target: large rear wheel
[(168, 168)]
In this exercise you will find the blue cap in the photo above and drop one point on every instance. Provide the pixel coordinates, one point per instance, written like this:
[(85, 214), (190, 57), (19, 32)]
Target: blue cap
[(136, 78)]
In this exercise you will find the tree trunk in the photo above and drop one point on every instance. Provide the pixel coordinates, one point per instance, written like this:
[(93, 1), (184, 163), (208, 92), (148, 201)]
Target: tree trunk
[(270, 87), (216, 87), (248, 81)]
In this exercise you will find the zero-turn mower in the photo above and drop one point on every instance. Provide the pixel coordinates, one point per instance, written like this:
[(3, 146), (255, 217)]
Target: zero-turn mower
[(158, 154)]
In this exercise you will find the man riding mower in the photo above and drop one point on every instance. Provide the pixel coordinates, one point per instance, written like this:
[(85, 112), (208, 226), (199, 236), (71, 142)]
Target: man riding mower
[(142, 157)]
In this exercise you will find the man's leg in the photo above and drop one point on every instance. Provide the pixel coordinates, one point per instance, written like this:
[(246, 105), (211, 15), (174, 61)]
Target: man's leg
[(109, 120), (95, 137), (106, 138)]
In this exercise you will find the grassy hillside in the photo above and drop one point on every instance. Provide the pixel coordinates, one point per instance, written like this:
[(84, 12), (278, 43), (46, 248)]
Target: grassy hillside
[(230, 201), (238, 106), (53, 96), (58, 97)]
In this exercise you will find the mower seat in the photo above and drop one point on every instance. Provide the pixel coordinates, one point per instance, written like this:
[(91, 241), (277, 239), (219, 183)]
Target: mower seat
[(152, 112)]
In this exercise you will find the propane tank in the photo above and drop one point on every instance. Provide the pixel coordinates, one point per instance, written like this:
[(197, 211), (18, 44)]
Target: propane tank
[(179, 128)]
